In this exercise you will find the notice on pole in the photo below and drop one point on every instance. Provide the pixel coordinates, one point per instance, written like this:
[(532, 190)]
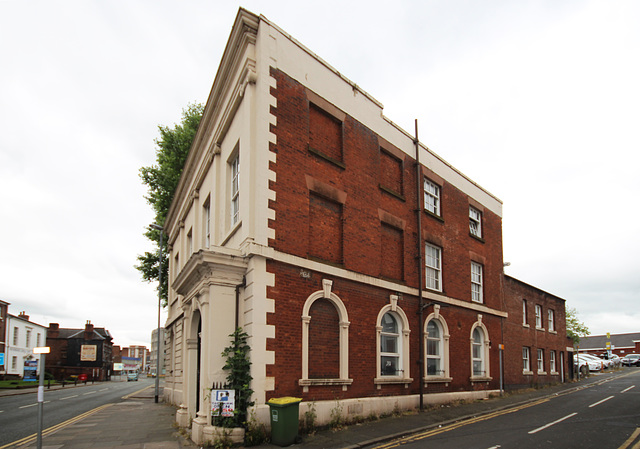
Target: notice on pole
[(88, 353), (30, 371), (222, 402)]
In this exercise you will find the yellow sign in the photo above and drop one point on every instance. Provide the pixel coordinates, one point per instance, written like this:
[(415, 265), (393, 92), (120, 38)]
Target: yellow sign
[(608, 335)]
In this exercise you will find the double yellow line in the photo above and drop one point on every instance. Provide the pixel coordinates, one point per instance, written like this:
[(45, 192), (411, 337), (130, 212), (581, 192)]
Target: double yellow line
[(52, 429), (456, 425)]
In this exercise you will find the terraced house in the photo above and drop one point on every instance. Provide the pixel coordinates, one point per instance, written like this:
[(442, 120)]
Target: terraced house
[(363, 266)]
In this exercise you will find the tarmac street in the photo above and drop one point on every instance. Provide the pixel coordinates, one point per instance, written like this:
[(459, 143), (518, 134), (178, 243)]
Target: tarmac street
[(602, 408)]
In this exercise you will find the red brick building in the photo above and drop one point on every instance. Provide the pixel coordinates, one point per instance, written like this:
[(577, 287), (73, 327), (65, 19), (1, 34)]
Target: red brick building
[(85, 351), (537, 350), (296, 219)]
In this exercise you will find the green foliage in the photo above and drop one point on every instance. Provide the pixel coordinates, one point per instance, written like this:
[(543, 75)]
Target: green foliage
[(162, 180), (337, 420), (575, 327), (308, 424), (256, 432), (238, 379)]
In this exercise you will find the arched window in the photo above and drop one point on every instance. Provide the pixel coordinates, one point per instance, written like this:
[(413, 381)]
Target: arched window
[(390, 346), (330, 308), (479, 352), (392, 339), (434, 349)]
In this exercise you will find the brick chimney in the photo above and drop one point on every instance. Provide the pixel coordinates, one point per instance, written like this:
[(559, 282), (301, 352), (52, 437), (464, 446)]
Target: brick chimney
[(53, 331), (24, 316), (88, 331)]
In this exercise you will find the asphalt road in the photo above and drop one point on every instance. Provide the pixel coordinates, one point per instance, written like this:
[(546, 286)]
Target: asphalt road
[(19, 413), (602, 416)]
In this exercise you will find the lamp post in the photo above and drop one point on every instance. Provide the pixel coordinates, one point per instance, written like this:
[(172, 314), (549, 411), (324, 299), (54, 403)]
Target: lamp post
[(158, 228), (42, 351)]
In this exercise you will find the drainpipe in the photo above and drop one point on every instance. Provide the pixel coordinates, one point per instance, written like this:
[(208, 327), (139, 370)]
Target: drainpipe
[(238, 287), (420, 267)]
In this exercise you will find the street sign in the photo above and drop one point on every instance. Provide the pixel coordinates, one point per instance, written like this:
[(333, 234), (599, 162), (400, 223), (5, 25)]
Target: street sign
[(222, 402), (608, 335)]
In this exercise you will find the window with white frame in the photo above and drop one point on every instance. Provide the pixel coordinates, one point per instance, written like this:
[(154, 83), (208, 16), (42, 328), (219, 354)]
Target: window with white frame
[(526, 359), (476, 282), (475, 222), (525, 322), (235, 189), (538, 316), (551, 320), (431, 197), (433, 264), (206, 218), (28, 338), (552, 361), (38, 340), (16, 333), (434, 349), (390, 345), (540, 360), (14, 362), (477, 352)]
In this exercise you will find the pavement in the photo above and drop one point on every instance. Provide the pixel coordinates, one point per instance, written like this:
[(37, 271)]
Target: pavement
[(139, 423)]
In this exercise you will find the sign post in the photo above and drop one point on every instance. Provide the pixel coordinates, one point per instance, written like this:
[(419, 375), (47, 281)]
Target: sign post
[(42, 351)]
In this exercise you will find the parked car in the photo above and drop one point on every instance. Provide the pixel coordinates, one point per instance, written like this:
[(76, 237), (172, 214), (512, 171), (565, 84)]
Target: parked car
[(132, 376), (594, 363), (615, 360), (631, 360)]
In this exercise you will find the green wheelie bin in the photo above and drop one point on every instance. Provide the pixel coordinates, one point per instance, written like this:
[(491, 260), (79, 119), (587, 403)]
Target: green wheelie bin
[(284, 420)]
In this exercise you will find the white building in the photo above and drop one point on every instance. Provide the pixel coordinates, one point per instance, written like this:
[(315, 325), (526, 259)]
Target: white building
[(22, 336)]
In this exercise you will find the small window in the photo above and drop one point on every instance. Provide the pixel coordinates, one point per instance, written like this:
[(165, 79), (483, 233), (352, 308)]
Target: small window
[(15, 336), (551, 320), (431, 197), (190, 242), (433, 264), (525, 322), (540, 360), (475, 222), (235, 189), (14, 362), (538, 316), (476, 282), (38, 340), (552, 361), (28, 345), (526, 359), (390, 363)]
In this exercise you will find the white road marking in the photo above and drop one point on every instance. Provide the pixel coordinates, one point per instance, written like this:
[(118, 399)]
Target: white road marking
[(69, 397), (495, 447), (33, 405), (600, 402), (551, 424), (91, 392), (104, 389), (627, 389)]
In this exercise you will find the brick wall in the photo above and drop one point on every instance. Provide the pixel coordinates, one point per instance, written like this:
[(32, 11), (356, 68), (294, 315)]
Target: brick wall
[(355, 208), (519, 335)]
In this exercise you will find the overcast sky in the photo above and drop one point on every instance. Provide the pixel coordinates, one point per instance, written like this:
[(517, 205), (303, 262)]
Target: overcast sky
[(536, 101)]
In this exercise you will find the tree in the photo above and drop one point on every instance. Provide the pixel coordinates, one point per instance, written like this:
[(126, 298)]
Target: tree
[(575, 328), (162, 180)]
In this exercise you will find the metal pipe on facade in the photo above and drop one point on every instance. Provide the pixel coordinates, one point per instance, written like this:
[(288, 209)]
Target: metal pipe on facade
[(420, 266)]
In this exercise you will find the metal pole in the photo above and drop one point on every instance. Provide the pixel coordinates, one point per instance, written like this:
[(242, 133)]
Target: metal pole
[(159, 307), (40, 401)]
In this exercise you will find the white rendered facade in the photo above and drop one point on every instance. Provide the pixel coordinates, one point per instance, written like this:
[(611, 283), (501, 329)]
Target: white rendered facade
[(22, 336)]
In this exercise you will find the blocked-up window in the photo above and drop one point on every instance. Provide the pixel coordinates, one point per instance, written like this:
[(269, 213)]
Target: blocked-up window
[(235, 189), (324, 341), (392, 252), (325, 133), (391, 170), (325, 229), (206, 223)]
